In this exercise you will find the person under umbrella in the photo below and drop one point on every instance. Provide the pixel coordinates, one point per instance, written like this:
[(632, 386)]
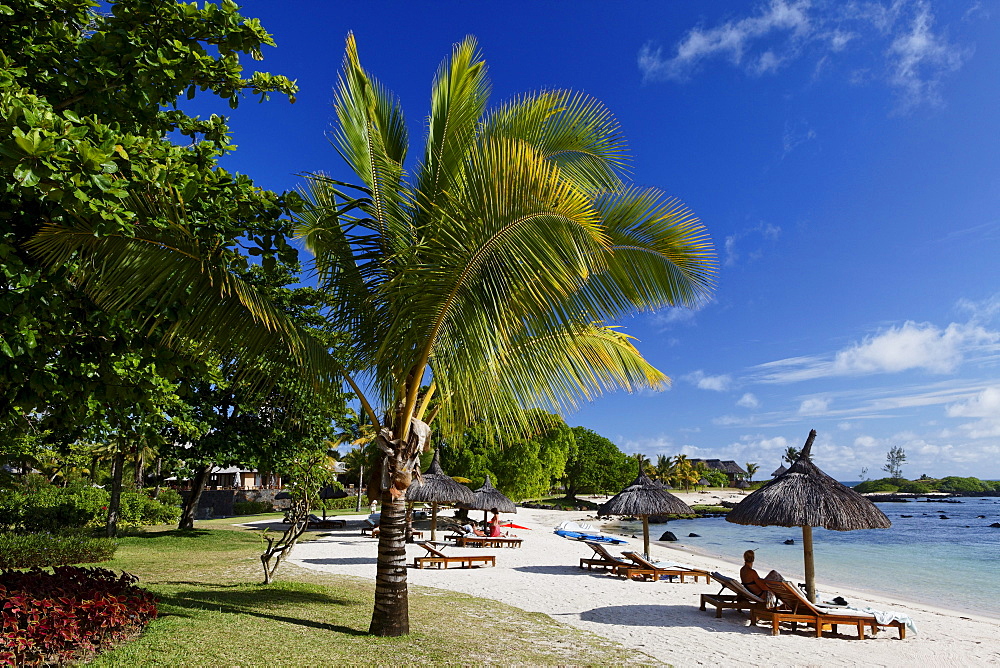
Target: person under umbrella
[(641, 499), (804, 496), (434, 487), (488, 498)]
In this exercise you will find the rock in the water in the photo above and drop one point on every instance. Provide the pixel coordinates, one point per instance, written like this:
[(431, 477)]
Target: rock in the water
[(668, 536), (693, 535), (790, 541), (943, 517), (995, 525), (906, 515)]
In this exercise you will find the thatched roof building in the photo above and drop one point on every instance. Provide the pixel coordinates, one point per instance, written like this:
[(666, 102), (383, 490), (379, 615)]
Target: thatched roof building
[(778, 471), (732, 470), (434, 487)]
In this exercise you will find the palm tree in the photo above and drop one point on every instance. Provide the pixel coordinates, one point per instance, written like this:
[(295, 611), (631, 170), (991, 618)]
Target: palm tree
[(791, 454), (751, 468), (683, 472), (491, 271)]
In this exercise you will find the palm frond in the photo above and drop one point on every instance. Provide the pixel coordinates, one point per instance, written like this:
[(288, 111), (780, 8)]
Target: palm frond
[(573, 130), (371, 136), (182, 290), (458, 100)]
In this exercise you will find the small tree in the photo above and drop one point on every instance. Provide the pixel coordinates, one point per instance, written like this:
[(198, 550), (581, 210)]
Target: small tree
[(791, 454), (752, 468), (894, 462)]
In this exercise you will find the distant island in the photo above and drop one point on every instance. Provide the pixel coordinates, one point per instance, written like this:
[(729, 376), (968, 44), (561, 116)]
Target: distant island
[(925, 485)]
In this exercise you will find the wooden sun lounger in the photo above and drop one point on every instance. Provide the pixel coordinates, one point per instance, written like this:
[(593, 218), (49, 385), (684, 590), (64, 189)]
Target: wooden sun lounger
[(642, 569), (438, 559), (797, 608), (465, 540), (603, 559), (741, 598), (369, 526)]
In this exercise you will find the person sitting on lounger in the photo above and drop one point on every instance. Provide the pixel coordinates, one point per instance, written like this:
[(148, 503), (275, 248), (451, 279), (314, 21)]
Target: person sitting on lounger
[(470, 530), (748, 576)]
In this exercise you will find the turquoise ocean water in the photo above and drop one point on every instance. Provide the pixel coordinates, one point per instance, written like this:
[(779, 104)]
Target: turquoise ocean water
[(951, 563)]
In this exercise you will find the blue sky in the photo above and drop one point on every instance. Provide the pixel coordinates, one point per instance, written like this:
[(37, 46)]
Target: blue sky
[(845, 158)]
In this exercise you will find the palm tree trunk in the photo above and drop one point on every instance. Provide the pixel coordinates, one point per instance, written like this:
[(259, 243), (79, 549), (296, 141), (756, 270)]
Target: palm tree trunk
[(391, 616)]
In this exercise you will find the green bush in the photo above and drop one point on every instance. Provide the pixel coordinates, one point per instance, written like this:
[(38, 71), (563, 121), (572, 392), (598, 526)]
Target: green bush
[(958, 484), (43, 549), (884, 485), (346, 503), (47, 508), (252, 507), (170, 497), (917, 487)]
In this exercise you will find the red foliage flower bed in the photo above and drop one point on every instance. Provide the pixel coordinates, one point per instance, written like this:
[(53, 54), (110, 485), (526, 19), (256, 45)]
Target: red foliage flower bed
[(68, 615)]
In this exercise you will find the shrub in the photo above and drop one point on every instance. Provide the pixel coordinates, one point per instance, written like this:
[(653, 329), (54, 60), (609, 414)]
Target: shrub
[(47, 508), (170, 497), (41, 549), (881, 485), (252, 507), (346, 503), (69, 615), (959, 484), (917, 487)]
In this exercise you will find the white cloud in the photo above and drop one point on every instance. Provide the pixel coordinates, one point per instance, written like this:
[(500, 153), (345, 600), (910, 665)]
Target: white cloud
[(814, 406), (911, 346), (704, 382), (765, 231), (919, 59), (984, 310), (748, 400), (795, 135), (986, 406), (730, 40), (914, 57)]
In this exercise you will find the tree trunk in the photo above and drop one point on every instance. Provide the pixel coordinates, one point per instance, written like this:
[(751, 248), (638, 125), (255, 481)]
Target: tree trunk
[(391, 615), (191, 505), (114, 503), (139, 465)]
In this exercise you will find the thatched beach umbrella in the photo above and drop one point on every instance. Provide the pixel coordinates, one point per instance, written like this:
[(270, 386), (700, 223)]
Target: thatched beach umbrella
[(435, 487), (778, 471), (643, 498), (803, 496), (489, 497)]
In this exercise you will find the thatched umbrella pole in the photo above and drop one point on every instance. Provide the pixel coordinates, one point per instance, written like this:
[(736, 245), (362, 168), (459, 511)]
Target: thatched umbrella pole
[(807, 555), (645, 535)]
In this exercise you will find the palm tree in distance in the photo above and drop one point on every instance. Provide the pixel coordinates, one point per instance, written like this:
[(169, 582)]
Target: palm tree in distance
[(752, 468), (791, 454)]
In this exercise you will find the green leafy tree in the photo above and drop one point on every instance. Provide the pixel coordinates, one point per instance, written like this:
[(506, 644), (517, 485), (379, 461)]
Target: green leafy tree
[(752, 468), (596, 465), (791, 454), (81, 147)]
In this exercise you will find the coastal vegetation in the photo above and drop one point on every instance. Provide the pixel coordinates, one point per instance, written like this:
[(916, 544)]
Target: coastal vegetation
[(924, 485)]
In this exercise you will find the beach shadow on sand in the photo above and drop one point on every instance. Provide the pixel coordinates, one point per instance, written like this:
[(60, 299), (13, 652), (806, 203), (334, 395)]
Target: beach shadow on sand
[(341, 561), (646, 615), (554, 570)]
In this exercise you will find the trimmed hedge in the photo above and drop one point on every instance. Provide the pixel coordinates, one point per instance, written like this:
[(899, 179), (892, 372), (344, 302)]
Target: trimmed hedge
[(252, 507), (68, 616), (35, 550)]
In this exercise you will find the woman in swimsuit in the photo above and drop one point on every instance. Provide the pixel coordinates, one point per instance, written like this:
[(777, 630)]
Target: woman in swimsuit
[(749, 577)]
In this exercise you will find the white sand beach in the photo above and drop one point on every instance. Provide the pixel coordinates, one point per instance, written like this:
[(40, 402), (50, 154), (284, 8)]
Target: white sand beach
[(662, 618)]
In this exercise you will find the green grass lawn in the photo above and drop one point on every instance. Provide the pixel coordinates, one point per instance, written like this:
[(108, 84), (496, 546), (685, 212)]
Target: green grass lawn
[(214, 612)]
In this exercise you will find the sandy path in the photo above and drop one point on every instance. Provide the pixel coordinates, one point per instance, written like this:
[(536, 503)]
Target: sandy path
[(662, 619)]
